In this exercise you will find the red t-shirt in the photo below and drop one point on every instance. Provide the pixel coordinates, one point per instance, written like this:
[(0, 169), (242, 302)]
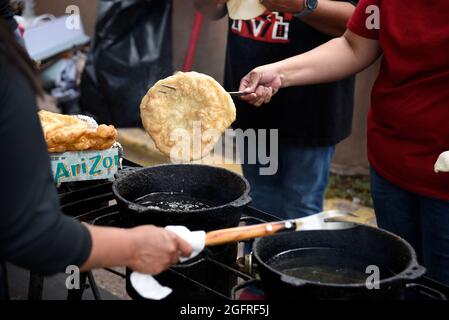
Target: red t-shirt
[(408, 123)]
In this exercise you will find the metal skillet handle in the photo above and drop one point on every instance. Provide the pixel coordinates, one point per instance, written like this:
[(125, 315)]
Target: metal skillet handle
[(315, 222), (413, 272)]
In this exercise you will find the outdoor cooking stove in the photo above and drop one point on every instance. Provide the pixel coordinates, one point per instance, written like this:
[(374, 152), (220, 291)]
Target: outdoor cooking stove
[(213, 275), (217, 274)]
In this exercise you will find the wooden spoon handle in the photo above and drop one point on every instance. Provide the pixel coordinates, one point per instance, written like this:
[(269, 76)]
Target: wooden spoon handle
[(217, 237)]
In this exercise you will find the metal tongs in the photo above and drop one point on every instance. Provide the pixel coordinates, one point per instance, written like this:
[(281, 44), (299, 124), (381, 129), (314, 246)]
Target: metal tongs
[(232, 93), (327, 220), (167, 87), (237, 93)]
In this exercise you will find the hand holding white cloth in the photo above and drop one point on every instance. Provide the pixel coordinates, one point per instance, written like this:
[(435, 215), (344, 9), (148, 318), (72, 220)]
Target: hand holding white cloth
[(442, 164), (147, 286)]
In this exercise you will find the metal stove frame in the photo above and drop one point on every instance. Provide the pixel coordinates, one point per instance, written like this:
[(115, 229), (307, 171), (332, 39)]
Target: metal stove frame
[(92, 200)]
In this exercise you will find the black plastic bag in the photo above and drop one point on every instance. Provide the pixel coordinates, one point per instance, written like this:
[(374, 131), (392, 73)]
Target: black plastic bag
[(131, 50)]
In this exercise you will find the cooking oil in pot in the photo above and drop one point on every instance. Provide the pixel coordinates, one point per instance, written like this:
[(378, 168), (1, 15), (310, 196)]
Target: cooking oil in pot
[(327, 274), (178, 201), (323, 265)]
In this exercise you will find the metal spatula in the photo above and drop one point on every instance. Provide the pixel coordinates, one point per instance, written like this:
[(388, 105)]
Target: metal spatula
[(320, 221)]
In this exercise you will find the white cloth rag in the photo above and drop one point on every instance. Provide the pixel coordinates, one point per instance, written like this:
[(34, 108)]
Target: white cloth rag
[(442, 164), (147, 286)]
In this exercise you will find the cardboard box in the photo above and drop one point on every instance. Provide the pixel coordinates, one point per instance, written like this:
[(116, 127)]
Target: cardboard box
[(86, 165)]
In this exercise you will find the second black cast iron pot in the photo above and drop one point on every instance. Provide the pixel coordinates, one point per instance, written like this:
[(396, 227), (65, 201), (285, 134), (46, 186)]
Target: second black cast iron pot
[(363, 248)]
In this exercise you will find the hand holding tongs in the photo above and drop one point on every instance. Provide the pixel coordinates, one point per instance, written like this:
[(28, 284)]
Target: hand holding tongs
[(237, 93), (327, 220), (232, 93)]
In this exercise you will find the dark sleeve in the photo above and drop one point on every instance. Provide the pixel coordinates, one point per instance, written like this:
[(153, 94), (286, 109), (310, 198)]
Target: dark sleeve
[(7, 14), (34, 233)]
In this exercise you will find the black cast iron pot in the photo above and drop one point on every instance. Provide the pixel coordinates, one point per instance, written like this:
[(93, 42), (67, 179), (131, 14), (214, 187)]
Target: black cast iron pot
[(227, 190), (291, 265)]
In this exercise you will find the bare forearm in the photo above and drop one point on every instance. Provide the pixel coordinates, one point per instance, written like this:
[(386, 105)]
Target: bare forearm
[(146, 249), (211, 9), (336, 59), (110, 247), (330, 17)]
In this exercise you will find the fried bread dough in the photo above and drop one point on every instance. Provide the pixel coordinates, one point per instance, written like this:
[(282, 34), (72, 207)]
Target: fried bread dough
[(245, 9), (67, 133), (188, 102)]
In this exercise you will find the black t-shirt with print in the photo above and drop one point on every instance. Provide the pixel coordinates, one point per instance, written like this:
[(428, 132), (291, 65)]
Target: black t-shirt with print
[(314, 115)]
